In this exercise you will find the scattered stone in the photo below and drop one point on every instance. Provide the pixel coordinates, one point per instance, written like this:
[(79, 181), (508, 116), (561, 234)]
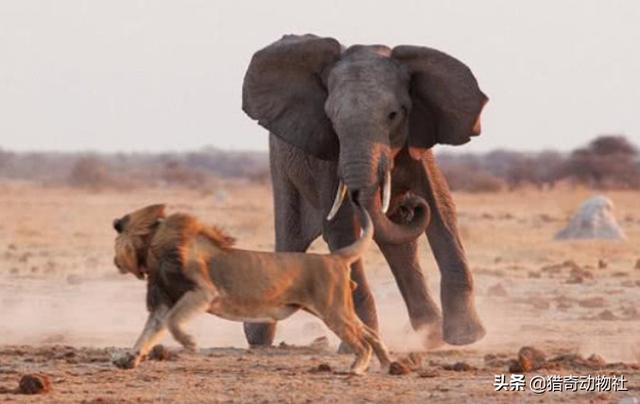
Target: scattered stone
[(14, 271), (514, 366), (497, 290), (398, 369), (593, 303), (602, 264), (413, 360), (577, 362), (428, 373), (530, 358), (36, 383), (637, 266), (575, 279), (593, 220), (74, 279), (606, 315), (160, 353), (460, 367), (321, 368), (597, 360)]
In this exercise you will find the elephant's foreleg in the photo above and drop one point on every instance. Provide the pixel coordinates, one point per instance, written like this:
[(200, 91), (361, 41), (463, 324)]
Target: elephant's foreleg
[(423, 311), (461, 324)]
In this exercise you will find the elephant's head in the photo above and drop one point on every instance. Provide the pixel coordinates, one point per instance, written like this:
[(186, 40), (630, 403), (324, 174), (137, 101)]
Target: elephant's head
[(360, 106)]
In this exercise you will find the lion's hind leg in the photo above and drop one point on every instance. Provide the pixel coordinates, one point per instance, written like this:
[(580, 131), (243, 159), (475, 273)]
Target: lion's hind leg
[(351, 334), (372, 337)]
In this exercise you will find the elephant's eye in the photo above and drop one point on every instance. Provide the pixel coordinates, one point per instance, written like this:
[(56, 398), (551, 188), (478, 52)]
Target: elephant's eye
[(392, 115)]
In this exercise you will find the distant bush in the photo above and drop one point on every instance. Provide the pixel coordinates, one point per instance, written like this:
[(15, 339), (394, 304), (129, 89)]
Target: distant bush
[(607, 162), (461, 178), (90, 172)]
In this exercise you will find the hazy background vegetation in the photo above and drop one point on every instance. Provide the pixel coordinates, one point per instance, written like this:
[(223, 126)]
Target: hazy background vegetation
[(607, 162)]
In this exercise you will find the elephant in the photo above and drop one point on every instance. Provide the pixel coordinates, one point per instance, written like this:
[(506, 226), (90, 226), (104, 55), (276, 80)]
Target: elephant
[(359, 122)]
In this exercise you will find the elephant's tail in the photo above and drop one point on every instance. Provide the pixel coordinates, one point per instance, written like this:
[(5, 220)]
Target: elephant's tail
[(353, 252)]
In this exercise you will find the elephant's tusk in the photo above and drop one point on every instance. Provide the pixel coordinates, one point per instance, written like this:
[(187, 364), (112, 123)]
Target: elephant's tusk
[(340, 194), (386, 192)]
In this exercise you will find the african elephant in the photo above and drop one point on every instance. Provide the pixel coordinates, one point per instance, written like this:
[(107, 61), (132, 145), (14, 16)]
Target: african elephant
[(361, 121)]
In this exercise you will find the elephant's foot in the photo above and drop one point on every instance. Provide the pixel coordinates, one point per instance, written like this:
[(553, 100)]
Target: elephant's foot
[(260, 334), (461, 324)]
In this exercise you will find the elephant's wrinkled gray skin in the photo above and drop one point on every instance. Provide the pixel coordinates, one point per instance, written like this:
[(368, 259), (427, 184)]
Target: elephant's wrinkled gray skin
[(354, 115)]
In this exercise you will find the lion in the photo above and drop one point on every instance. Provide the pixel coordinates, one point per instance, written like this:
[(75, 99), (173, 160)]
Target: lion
[(192, 268)]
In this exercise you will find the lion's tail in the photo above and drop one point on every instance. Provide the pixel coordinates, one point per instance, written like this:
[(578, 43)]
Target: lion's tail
[(353, 252)]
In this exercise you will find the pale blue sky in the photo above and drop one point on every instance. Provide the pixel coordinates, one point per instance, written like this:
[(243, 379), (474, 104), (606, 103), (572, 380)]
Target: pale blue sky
[(157, 75)]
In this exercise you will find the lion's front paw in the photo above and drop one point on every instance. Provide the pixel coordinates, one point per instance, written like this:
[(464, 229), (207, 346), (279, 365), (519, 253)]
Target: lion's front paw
[(126, 360)]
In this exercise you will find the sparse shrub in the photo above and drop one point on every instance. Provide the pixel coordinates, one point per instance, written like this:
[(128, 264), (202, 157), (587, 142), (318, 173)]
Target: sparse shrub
[(607, 162), (462, 178), (90, 172), (175, 173)]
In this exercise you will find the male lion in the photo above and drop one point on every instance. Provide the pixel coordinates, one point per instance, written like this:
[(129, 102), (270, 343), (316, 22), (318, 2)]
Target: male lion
[(192, 268)]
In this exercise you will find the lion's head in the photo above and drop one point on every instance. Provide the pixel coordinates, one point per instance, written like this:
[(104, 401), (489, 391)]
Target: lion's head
[(135, 231)]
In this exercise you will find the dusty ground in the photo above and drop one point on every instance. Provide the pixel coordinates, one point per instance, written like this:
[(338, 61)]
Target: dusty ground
[(65, 310)]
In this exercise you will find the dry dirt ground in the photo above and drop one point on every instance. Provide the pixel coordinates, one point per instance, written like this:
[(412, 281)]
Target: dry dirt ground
[(65, 310)]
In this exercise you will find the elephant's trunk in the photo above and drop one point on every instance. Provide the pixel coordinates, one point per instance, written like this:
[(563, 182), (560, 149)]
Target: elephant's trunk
[(365, 171), (389, 232)]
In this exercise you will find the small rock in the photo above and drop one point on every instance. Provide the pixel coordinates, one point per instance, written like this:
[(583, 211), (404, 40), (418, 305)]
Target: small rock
[(592, 303), (602, 264), (514, 366), (36, 383), (74, 279), (606, 315), (497, 290), (398, 369), (531, 358), (459, 367), (160, 353), (534, 275), (323, 367), (597, 360), (637, 266), (428, 373), (413, 360), (575, 279)]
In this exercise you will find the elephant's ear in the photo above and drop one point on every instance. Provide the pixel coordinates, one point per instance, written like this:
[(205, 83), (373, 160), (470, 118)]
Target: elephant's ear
[(445, 95), (283, 89)]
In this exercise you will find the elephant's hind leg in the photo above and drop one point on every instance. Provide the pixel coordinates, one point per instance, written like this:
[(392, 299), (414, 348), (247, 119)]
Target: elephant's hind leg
[(295, 231)]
